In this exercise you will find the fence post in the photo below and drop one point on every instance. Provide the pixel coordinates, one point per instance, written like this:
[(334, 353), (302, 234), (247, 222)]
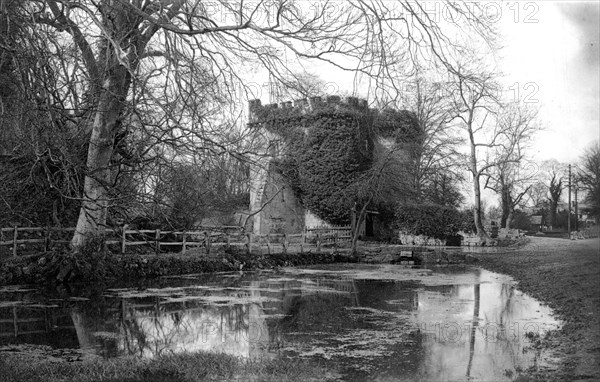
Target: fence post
[(268, 244), (124, 239), (157, 240), (285, 243), (183, 243), (15, 234), (335, 239), (249, 236), (318, 242), (47, 238), (207, 242)]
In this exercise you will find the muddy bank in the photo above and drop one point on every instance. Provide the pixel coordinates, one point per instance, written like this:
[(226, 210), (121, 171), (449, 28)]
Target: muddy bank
[(67, 268), (563, 274), (412, 255)]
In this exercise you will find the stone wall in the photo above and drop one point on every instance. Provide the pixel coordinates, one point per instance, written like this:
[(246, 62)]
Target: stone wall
[(259, 114), (279, 209)]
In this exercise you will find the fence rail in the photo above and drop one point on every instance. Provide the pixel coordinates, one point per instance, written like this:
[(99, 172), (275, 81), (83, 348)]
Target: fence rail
[(206, 237)]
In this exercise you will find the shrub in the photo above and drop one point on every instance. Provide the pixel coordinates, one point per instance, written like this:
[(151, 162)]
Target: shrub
[(432, 220), (520, 220)]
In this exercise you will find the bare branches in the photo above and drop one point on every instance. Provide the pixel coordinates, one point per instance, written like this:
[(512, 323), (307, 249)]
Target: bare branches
[(161, 79), (588, 178)]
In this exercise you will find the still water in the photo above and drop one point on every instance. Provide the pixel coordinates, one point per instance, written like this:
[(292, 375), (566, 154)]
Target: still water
[(375, 322)]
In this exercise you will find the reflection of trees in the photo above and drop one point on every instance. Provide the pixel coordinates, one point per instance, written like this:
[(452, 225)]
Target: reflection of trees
[(474, 325), (506, 293), (186, 326)]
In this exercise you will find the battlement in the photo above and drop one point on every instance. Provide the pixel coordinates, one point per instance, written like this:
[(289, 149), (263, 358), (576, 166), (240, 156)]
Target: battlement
[(302, 106)]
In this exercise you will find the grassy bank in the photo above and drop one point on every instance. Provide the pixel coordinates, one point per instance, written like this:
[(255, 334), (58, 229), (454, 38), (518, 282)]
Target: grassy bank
[(565, 275), (26, 367), (103, 267)]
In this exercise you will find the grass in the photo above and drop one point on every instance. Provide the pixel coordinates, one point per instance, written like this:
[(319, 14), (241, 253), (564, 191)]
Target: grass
[(184, 367)]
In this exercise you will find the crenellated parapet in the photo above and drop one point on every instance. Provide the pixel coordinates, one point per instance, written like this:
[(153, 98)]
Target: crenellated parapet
[(288, 110)]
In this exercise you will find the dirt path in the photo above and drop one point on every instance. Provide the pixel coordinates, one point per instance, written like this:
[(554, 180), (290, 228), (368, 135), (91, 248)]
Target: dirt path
[(564, 274)]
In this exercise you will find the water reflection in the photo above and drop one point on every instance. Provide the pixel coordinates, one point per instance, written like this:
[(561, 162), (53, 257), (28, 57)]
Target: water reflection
[(376, 322), (479, 331)]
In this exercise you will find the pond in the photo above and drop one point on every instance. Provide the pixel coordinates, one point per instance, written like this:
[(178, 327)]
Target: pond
[(376, 322)]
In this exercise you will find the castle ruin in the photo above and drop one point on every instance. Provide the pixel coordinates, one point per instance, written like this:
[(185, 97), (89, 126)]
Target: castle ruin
[(273, 205)]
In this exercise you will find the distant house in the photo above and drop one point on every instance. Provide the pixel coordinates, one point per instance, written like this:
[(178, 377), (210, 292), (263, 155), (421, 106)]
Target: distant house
[(537, 223)]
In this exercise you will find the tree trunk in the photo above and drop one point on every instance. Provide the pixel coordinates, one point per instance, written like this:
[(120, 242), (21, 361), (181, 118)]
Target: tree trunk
[(553, 208), (506, 212), (483, 236), (477, 211), (509, 218), (356, 227), (95, 201)]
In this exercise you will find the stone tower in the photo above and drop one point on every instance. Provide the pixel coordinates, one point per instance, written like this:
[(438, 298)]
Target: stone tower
[(273, 204)]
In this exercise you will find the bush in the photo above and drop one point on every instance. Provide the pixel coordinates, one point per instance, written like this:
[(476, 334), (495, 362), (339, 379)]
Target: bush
[(520, 220), (432, 220)]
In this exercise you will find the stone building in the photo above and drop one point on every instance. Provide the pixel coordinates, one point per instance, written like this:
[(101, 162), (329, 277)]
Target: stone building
[(273, 205)]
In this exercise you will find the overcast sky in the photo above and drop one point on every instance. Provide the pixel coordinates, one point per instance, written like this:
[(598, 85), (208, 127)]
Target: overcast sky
[(550, 55), (551, 51)]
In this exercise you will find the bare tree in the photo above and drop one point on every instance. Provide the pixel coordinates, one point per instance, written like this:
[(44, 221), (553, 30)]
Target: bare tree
[(384, 182), (435, 171), (127, 52), (496, 133), (41, 151), (551, 179), (588, 177), (512, 176), (537, 194), (555, 188), (474, 97), (511, 187)]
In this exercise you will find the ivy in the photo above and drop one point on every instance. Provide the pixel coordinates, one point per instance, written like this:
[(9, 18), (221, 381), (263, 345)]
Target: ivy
[(326, 153), (329, 148)]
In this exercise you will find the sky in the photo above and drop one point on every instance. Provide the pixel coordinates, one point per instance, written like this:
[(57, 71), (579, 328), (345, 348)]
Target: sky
[(551, 52), (549, 56)]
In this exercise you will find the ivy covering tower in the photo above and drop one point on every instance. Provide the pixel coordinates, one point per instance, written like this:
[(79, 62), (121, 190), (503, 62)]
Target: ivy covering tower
[(317, 153)]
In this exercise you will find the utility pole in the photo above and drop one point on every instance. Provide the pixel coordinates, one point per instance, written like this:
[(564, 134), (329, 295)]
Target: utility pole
[(576, 210), (569, 209)]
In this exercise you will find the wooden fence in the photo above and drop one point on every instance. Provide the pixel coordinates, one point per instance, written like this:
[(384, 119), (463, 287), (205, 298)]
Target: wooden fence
[(207, 238)]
